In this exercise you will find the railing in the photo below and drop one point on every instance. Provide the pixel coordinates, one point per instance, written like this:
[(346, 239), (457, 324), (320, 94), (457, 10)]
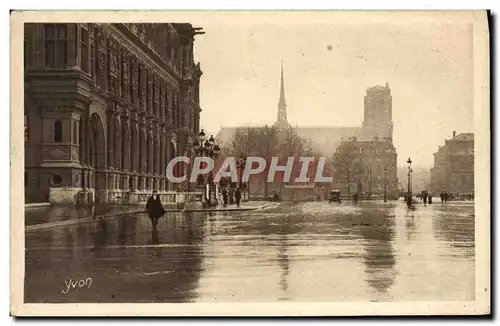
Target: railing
[(141, 197)]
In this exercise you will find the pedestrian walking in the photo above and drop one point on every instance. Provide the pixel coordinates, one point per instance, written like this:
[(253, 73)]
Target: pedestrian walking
[(237, 196), (355, 197), (225, 196), (430, 199), (154, 208), (424, 197)]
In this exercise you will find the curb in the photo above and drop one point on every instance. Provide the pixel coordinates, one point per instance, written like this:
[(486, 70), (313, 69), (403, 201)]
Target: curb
[(35, 205), (42, 226)]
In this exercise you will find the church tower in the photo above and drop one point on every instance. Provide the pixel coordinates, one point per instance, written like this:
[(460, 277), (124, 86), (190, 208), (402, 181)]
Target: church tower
[(282, 121), (378, 113)]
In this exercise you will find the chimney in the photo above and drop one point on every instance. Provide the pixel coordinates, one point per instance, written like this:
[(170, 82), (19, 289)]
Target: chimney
[(454, 134)]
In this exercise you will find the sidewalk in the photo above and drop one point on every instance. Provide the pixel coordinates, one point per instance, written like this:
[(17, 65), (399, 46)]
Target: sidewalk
[(247, 206), (55, 213), (57, 216)]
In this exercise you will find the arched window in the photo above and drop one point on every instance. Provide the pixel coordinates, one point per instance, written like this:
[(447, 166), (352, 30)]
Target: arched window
[(57, 179), (58, 131)]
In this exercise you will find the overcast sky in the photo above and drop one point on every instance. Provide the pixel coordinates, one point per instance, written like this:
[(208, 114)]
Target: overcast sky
[(328, 67)]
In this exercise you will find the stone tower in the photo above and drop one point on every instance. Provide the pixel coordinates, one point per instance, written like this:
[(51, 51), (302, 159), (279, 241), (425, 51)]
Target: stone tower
[(378, 113)]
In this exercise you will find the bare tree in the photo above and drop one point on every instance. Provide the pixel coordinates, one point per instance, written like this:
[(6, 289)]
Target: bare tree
[(290, 145), (267, 142), (346, 163)]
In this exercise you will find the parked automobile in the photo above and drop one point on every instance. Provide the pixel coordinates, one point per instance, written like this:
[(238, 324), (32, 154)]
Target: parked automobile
[(334, 196)]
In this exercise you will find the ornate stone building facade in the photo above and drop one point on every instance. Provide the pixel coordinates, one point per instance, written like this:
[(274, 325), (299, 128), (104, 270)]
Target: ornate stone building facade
[(106, 107), (453, 169)]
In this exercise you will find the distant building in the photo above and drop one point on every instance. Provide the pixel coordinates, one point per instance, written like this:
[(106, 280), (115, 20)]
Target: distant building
[(106, 107), (374, 139), (324, 140), (453, 169), (359, 167), (420, 178)]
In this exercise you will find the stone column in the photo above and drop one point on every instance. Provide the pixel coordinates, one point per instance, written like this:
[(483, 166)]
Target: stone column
[(101, 195), (134, 181), (133, 196), (111, 137), (142, 182), (111, 186)]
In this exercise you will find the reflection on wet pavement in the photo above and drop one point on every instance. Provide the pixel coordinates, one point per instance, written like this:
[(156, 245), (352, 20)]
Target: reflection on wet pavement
[(51, 214), (307, 252)]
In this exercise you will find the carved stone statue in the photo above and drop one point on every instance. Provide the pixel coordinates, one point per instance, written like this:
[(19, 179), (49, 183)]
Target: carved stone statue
[(114, 62), (133, 76), (112, 84), (102, 64), (142, 32), (125, 69)]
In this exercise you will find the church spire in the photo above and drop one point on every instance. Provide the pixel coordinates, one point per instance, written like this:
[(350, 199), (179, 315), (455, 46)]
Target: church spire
[(282, 121), (282, 101)]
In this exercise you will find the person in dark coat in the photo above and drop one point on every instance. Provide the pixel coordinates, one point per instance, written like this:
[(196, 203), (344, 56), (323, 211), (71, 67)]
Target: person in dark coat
[(225, 196), (430, 199), (237, 196), (424, 197), (154, 208)]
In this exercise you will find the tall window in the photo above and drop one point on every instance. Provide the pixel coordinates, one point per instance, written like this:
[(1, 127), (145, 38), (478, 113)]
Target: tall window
[(26, 128), (85, 48), (153, 90), (92, 56), (56, 45), (75, 132), (58, 131), (174, 110), (25, 51)]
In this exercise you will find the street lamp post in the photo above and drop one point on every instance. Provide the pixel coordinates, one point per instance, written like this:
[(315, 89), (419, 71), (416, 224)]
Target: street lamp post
[(241, 165), (409, 182), (206, 148), (385, 184)]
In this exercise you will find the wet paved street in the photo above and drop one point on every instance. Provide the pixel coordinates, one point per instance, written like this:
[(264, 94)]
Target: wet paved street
[(309, 252)]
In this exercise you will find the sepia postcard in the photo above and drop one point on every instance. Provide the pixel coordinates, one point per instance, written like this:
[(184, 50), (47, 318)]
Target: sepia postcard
[(250, 163)]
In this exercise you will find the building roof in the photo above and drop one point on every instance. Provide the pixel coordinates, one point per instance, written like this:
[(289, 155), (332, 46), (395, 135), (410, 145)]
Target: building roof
[(324, 140), (378, 88), (462, 144), (465, 136)]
